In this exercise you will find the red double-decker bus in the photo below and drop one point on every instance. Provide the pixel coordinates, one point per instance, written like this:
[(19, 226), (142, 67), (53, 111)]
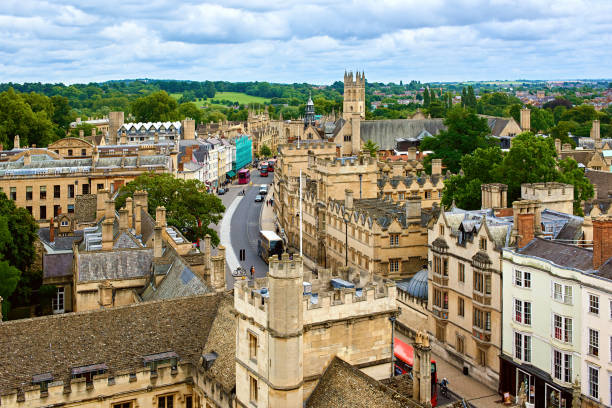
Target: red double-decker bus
[(244, 176), (404, 360), (263, 169), (271, 164)]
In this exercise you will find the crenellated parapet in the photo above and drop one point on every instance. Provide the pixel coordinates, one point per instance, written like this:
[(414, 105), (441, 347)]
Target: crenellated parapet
[(106, 386)]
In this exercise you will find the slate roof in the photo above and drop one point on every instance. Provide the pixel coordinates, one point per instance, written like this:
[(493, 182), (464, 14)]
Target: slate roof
[(384, 132), (497, 124), (118, 264), (581, 156), (118, 337), (603, 181), (60, 243), (384, 211), (222, 341), (569, 256), (180, 281), (344, 386), (57, 265)]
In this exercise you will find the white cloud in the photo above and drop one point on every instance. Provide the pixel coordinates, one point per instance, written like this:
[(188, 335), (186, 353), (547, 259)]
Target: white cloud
[(293, 41)]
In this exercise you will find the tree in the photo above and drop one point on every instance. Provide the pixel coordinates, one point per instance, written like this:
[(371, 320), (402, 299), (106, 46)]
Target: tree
[(190, 110), (9, 278), (18, 232), (426, 98), (371, 147), (62, 112), (464, 189), (85, 127), (265, 151), (470, 101), (530, 160), (158, 106), (209, 89), (18, 118), (570, 173), (188, 206), (436, 109), (465, 133), (541, 120)]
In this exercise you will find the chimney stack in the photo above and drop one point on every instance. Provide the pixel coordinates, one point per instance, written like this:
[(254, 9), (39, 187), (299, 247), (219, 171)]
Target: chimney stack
[(93, 131), (123, 220), (129, 205), (436, 167), (413, 207), (123, 137), (207, 253), (596, 132), (51, 231), (558, 145), (156, 138), (27, 159), (525, 120), (527, 221), (602, 240), (16, 142), (81, 133), (101, 197), (412, 153), (107, 234), (348, 199), (160, 224)]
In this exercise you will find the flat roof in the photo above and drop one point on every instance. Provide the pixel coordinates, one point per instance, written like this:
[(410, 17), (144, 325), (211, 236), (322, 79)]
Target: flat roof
[(271, 235)]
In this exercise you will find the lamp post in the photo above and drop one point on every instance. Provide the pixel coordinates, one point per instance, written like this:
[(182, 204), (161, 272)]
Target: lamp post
[(346, 220), (392, 320)]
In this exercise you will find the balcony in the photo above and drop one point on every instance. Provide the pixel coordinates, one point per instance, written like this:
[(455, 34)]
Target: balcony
[(482, 299), (439, 280), (440, 313), (483, 336)]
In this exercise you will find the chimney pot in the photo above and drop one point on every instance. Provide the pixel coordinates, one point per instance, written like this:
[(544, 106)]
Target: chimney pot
[(348, 199), (602, 240), (51, 231)]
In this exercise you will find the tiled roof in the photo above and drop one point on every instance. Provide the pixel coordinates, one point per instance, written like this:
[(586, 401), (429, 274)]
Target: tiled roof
[(344, 386), (118, 337), (569, 256), (118, 264), (180, 281), (603, 181), (384, 132)]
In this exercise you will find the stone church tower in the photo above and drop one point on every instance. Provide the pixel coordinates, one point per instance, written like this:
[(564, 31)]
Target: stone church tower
[(354, 95)]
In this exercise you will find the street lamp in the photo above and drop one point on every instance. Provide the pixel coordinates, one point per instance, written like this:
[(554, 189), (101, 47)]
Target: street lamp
[(347, 218)]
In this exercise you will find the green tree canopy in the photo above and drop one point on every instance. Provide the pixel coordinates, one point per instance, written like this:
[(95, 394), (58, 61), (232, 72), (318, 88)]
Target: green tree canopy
[(31, 122), (465, 133), (188, 206), (265, 151), (530, 160), (190, 110), (158, 106), (9, 278), (371, 147)]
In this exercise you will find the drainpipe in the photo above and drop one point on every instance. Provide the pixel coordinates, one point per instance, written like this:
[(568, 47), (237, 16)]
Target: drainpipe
[(345, 242), (392, 320), (360, 177)]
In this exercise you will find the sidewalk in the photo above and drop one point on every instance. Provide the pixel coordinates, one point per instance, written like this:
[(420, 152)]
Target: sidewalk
[(266, 220), (467, 387), (473, 391)]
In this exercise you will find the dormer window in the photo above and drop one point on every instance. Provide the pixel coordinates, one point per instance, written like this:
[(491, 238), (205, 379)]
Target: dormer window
[(152, 361), (483, 244), (88, 372), (43, 380)]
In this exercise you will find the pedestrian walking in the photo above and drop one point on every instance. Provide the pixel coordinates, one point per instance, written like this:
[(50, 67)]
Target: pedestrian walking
[(252, 272)]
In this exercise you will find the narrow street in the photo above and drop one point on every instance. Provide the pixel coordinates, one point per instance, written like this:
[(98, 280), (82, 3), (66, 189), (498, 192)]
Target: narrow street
[(241, 230)]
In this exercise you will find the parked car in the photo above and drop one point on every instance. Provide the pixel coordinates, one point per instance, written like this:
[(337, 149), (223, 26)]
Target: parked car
[(222, 191), (263, 191), (259, 198)]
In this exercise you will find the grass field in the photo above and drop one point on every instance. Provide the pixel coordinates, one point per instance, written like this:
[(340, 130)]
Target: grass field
[(241, 98)]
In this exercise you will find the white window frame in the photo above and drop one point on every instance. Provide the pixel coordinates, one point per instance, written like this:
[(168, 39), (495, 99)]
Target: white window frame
[(593, 298), (590, 370), (564, 329), (58, 302), (593, 346), (525, 351), (563, 297), (531, 380), (565, 377), (522, 279), (521, 304)]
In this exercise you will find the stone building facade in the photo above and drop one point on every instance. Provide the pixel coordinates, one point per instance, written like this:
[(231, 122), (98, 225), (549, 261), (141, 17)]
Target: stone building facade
[(47, 184), (307, 319)]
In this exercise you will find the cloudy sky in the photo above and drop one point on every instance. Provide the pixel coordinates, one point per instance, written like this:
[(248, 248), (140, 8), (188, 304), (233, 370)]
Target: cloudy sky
[(304, 41)]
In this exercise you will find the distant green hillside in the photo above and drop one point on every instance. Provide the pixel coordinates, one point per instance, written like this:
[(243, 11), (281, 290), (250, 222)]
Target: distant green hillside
[(240, 97)]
